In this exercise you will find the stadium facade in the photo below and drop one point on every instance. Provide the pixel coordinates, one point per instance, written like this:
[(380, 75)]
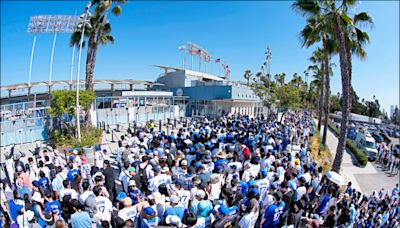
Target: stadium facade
[(176, 93)]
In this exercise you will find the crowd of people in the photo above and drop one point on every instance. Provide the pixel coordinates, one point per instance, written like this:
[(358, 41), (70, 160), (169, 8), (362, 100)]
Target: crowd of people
[(232, 171)]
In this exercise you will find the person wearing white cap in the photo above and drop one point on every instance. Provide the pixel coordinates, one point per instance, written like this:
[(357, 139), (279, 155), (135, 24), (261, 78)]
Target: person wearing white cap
[(77, 158), (135, 193), (173, 220), (176, 208), (38, 205)]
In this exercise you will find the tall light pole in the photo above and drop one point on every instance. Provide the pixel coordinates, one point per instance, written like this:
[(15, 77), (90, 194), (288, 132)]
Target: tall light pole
[(84, 20), (49, 24), (72, 68), (268, 56)]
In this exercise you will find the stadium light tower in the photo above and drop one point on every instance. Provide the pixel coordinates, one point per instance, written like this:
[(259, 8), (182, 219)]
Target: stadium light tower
[(49, 24), (83, 22)]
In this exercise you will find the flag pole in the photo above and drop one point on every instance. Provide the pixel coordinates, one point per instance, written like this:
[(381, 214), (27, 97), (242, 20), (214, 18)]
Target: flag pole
[(199, 63)]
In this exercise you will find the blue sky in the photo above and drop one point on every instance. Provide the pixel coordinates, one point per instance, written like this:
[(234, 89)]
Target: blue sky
[(149, 33)]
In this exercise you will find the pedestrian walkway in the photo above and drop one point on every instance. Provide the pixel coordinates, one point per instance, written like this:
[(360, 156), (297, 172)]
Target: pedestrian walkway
[(364, 179)]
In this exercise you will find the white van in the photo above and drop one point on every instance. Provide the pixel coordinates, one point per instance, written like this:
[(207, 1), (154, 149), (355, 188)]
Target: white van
[(367, 144)]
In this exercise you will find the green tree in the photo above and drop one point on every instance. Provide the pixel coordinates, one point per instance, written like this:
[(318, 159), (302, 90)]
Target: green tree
[(350, 39), (335, 101), (64, 101), (288, 97), (280, 78), (247, 75), (395, 118)]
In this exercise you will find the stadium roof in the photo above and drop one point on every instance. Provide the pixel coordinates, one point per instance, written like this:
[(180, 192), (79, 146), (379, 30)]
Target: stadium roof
[(67, 82), (192, 73)]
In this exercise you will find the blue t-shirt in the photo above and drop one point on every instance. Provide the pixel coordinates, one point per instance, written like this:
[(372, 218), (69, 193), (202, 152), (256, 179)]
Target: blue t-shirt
[(54, 207), (132, 194), (44, 182), (146, 223), (71, 175), (272, 215), (178, 211), (81, 220)]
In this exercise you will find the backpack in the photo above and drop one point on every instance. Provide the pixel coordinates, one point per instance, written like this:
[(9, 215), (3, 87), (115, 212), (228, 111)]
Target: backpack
[(143, 178)]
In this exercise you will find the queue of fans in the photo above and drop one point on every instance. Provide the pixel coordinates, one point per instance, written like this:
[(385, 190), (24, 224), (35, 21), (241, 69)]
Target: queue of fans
[(233, 171)]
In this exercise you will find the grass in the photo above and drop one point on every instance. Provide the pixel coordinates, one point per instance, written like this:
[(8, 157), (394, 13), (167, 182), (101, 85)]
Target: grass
[(320, 153), (352, 147)]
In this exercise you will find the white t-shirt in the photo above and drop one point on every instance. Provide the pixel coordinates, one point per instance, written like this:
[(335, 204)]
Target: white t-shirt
[(307, 177), (249, 220), (156, 181), (263, 186), (77, 161), (128, 213), (68, 191), (99, 157), (85, 195), (300, 192), (85, 171), (184, 196), (104, 209)]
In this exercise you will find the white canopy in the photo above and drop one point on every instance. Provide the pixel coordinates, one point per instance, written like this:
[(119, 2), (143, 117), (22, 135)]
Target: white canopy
[(335, 178)]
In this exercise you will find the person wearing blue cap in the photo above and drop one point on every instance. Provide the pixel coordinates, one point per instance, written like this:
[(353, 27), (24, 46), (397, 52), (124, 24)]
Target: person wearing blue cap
[(148, 218)]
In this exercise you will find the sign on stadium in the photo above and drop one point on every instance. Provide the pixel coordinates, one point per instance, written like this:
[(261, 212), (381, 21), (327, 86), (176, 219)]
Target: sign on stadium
[(146, 93)]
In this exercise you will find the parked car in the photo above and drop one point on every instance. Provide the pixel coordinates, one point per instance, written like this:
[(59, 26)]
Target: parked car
[(367, 144), (385, 137), (352, 134), (378, 138)]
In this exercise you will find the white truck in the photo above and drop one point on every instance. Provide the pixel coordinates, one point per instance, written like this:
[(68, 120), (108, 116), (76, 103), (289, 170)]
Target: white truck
[(366, 142)]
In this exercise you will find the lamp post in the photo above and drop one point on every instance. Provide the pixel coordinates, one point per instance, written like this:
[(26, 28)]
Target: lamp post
[(84, 20), (49, 24), (268, 56)]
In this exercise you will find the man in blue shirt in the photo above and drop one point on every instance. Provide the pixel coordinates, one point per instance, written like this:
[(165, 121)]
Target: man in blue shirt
[(71, 173), (79, 219), (53, 206), (134, 193), (273, 212), (176, 208)]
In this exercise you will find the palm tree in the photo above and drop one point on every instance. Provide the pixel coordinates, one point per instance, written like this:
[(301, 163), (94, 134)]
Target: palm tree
[(350, 40), (258, 76), (316, 58), (99, 33), (280, 78), (247, 75)]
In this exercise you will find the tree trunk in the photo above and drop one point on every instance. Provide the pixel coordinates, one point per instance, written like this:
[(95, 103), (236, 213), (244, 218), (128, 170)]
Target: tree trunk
[(327, 91), (345, 69), (89, 56), (321, 97)]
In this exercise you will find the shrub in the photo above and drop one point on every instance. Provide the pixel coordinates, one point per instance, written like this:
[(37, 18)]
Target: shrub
[(357, 152), (89, 136)]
